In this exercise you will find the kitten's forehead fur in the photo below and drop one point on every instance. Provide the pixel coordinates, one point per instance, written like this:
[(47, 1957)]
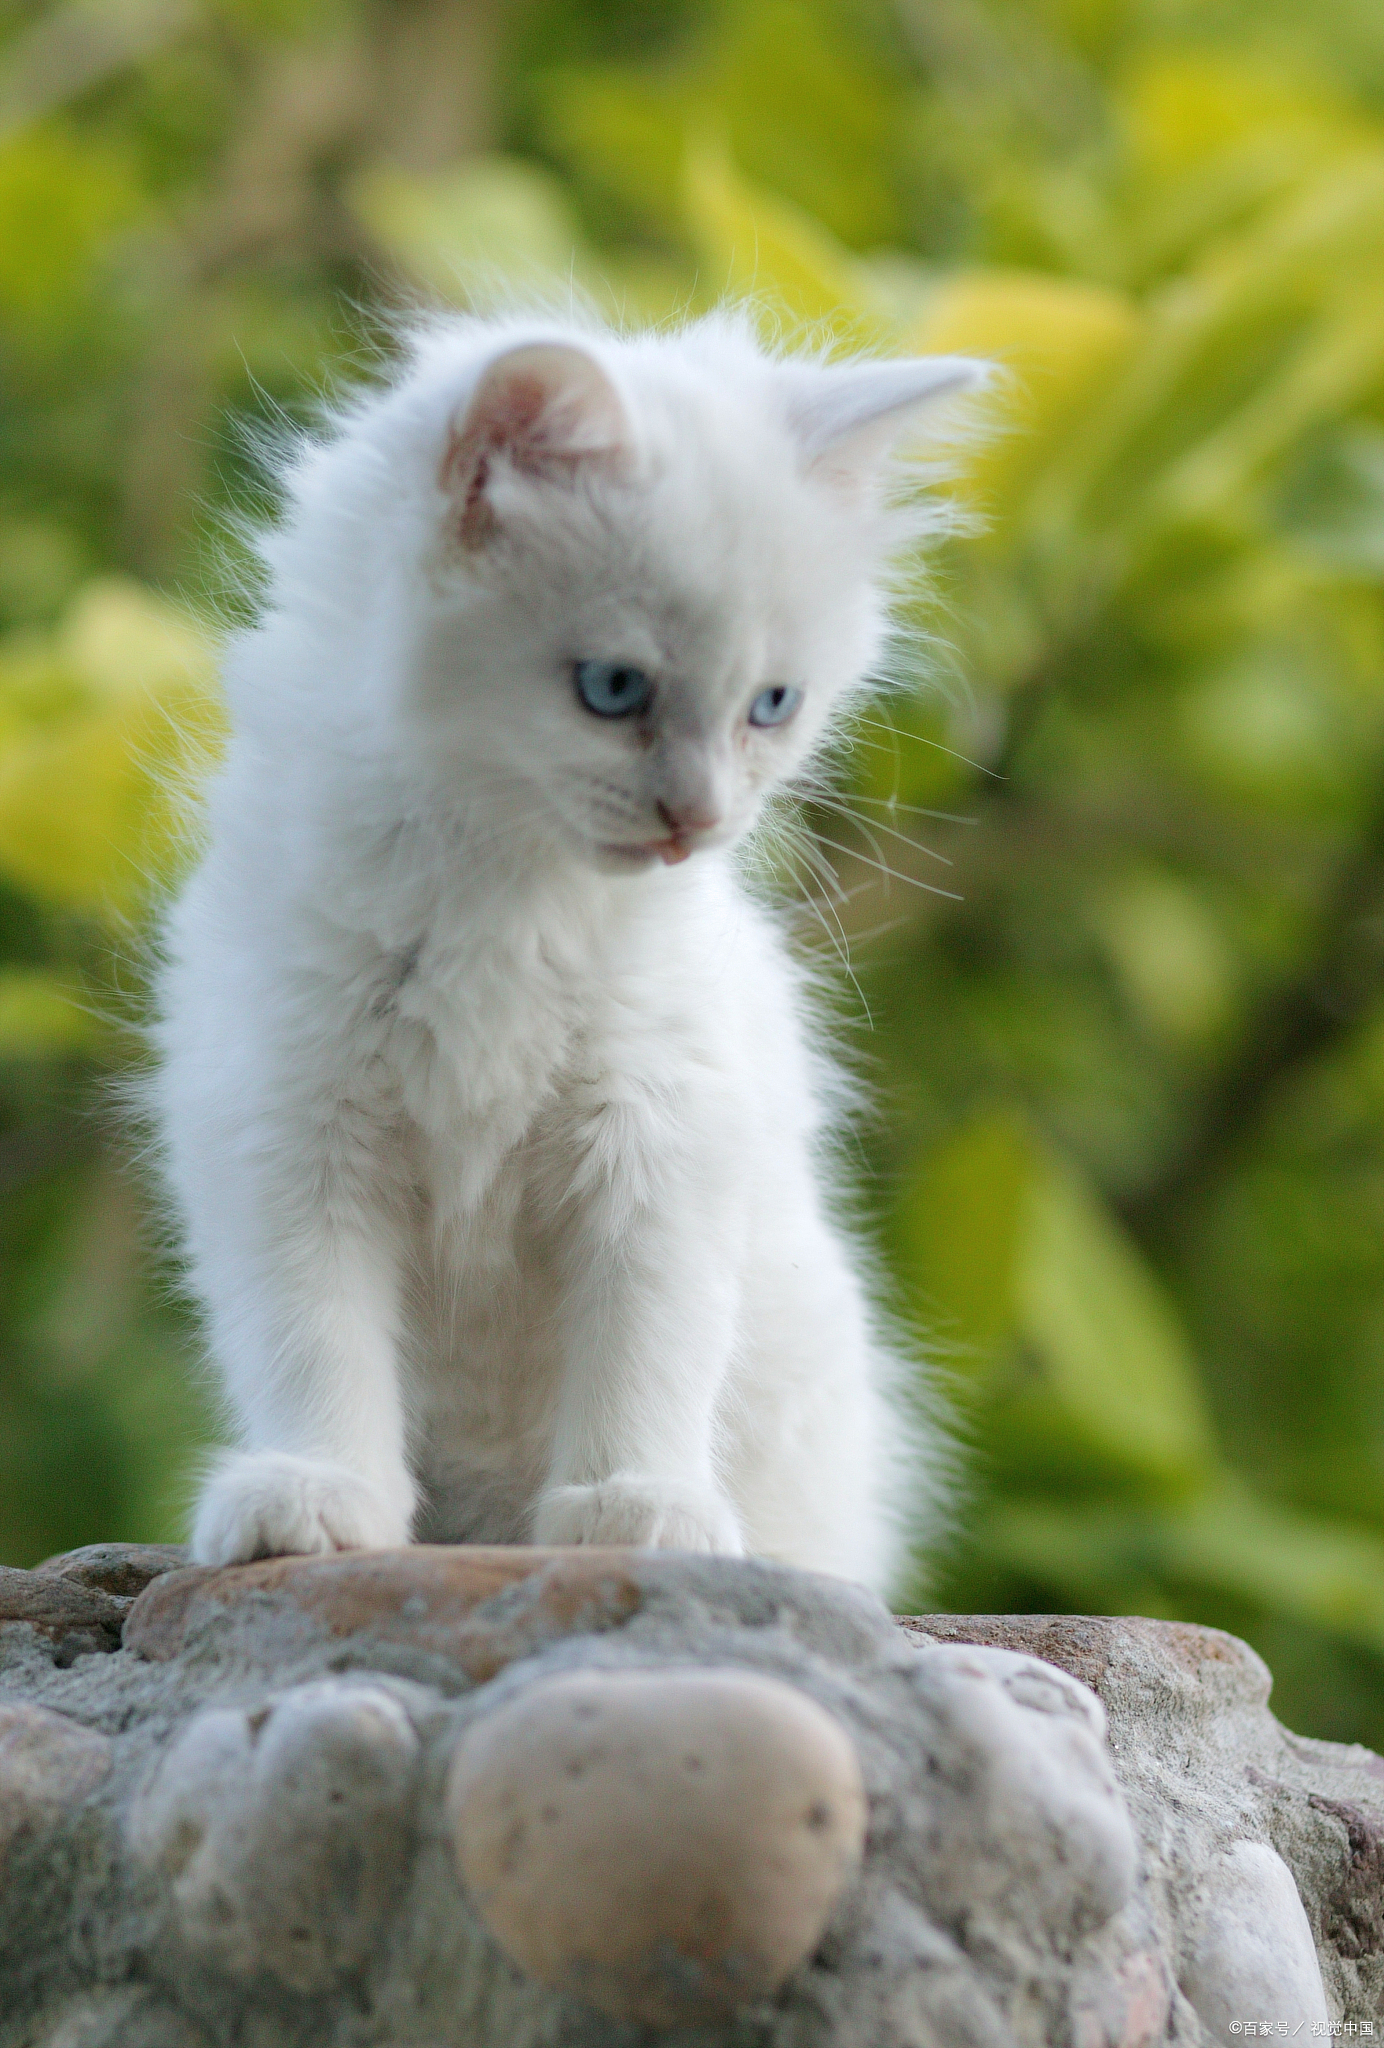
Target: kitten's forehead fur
[(703, 511)]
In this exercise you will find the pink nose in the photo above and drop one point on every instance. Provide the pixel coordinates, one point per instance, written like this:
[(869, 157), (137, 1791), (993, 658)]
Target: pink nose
[(688, 817)]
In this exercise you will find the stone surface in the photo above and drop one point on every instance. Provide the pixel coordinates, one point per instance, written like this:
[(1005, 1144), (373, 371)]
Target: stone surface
[(285, 1814), (47, 1762), (280, 1832), (1250, 1949), (76, 1619), (760, 1823), (121, 1569), (423, 1598)]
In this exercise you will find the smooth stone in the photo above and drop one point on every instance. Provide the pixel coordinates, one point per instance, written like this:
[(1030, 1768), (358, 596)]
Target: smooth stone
[(123, 2017), (47, 1763), (426, 1597), (1026, 1819), (77, 1619), (282, 1832), (1252, 1956), (120, 1569), (667, 1844)]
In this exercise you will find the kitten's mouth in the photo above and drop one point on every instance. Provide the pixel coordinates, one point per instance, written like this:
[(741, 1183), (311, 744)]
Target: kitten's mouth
[(670, 851)]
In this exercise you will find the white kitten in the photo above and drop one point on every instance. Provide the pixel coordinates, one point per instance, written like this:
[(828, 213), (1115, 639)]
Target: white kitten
[(492, 1116)]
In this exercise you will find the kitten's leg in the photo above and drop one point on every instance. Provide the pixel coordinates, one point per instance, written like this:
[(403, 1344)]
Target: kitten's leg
[(299, 1272), (649, 1329)]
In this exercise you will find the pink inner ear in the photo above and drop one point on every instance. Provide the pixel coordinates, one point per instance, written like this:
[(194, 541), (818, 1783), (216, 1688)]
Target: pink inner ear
[(508, 416), (547, 408)]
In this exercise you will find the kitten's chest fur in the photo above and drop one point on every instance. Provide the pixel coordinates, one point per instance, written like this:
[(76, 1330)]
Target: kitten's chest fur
[(491, 1042), (483, 1028)]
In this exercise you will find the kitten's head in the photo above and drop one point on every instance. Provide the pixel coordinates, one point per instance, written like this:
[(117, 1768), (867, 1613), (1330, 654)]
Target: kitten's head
[(650, 572)]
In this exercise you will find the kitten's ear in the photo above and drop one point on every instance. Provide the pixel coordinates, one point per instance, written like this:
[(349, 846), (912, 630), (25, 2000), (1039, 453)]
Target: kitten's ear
[(546, 407), (848, 416)]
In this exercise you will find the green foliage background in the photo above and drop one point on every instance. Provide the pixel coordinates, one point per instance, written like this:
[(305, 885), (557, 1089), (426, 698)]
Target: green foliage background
[(1128, 1161)]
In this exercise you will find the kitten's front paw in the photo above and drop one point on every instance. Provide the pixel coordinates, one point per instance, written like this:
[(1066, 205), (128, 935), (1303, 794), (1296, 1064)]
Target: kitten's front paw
[(273, 1504), (648, 1514)]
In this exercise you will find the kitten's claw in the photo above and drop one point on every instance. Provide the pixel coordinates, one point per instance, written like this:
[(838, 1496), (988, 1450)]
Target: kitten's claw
[(649, 1514), (273, 1504)]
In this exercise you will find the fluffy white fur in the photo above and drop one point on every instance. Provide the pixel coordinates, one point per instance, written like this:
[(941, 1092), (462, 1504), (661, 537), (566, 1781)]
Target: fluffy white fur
[(494, 1121)]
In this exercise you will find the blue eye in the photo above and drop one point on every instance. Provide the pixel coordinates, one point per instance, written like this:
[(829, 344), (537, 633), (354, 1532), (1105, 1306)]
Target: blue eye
[(775, 706), (612, 689)]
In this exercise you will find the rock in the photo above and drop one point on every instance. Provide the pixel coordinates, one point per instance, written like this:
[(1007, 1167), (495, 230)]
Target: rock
[(310, 1804), (47, 1763), (1250, 1949), (121, 1569), (667, 1844), (1024, 1822), (1227, 1805), (1353, 1908), (75, 1620), (422, 1597), (125, 2017), (281, 1831)]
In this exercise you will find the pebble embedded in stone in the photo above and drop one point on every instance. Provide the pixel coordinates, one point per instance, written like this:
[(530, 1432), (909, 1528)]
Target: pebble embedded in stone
[(123, 2016), (1023, 1815), (283, 1831), (47, 1763), (482, 1606), (77, 1620), (120, 1569), (666, 1844), (1252, 1955)]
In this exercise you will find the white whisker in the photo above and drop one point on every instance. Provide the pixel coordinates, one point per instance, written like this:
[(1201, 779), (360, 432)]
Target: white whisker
[(874, 825), (854, 853)]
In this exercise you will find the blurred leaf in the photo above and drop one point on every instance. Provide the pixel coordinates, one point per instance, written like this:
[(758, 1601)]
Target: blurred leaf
[(808, 114), (1319, 1571), (41, 562), (965, 1224), (95, 781), (41, 1016), (1213, 338), (800, 107), (1059, 339), (1334, 506), (1107, 1333), (1006, 1245), (1263, 729), (625, 133), (474, 230), (1182, 109), (61, 200), (1338, 362), (756, 246), (1170, 955)]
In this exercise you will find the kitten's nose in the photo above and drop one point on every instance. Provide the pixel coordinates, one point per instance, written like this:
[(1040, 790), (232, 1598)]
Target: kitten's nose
[(696, 814)]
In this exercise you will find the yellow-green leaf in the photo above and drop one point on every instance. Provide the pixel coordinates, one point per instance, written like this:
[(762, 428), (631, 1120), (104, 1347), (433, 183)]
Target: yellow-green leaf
[(756, 246), (1107, 1334), (468, 231), (960, 1231), (1004, 1249), (62, 197), (110, 725), (1226, 1541), (1059, 340), (41, 1015)]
